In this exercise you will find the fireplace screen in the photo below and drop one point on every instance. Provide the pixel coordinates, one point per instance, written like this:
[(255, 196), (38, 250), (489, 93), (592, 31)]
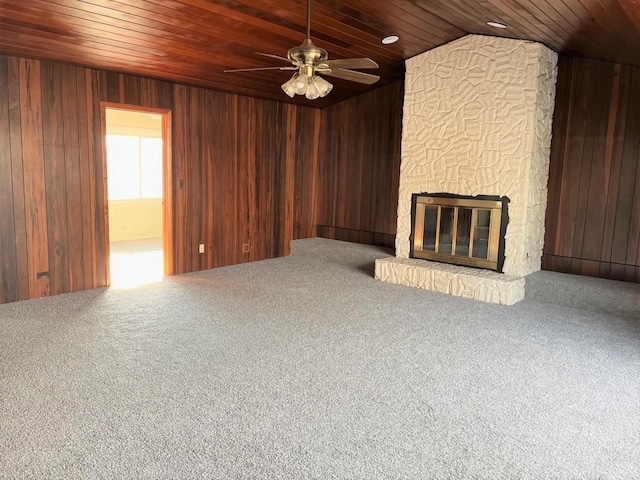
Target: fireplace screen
[(462, 230)]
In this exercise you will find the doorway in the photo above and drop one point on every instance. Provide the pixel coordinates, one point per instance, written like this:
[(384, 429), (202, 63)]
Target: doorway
[(137, 163)]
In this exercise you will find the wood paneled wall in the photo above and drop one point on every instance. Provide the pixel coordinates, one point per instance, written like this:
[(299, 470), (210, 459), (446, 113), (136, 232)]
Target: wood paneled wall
[(593, 211), (243, 171), (51, 180), (359, 169), (263, 172)]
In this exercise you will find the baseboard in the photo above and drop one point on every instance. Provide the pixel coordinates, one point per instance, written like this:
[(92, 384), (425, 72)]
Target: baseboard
[(356, 236), (591, 268)]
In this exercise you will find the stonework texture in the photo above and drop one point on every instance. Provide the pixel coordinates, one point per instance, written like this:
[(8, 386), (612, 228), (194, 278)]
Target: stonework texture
[(464, 282), (477, 120)]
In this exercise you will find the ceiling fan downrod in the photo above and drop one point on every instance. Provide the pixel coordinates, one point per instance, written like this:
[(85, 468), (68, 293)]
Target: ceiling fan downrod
[(307, 53), (309, 20), (307, 56)]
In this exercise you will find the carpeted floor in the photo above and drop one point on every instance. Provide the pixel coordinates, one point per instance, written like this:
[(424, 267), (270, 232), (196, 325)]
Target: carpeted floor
[(306, 367)]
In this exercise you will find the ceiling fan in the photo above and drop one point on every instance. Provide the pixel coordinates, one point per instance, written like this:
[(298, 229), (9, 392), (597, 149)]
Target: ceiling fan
[(308, 61)]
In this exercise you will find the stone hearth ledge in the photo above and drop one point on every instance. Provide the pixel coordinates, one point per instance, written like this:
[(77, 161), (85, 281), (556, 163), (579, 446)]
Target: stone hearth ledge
[(484, 285)]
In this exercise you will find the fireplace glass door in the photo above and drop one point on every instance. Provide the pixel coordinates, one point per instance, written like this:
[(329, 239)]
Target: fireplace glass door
[(457, 230)]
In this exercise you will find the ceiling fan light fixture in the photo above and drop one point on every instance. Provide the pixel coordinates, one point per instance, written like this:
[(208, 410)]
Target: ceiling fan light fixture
[(301, 84), (312, 92), (311, 87), (322, 85), (289, 87)]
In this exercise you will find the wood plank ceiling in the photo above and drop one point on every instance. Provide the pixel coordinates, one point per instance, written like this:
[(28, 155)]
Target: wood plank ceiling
[(193, 41)]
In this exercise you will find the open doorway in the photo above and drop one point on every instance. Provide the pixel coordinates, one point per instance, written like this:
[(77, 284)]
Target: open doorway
[(138, 219)]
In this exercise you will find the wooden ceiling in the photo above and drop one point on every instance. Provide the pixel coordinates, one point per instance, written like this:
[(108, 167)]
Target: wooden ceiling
[(193, 41)]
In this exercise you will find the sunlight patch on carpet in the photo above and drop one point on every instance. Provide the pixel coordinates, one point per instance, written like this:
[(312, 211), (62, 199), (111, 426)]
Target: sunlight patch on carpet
[(133, 269)]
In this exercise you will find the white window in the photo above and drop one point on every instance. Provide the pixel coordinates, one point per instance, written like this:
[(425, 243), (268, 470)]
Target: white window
[(134, 167)]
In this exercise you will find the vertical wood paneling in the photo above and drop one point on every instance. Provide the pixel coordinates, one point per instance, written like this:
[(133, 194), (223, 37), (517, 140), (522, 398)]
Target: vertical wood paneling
[(244, 171), (132, 90), (593, 209), (245, 132), (213, 198), (359, 166), (599, 88), (633, 248), (112, 87), (54, 167), (8, 262), (73, 201), (194, 191), (218, 220), (632, 256), (180, 146), (617, 149), (559, 136), (306, 172), (288, 193), (34, 178), (263, 177), (623, 236), (601, 163), (274, 173), (19, 212), (84, 178), (392, 170), (572, 166)]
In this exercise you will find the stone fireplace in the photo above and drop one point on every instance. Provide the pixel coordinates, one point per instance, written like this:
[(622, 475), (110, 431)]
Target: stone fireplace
[(477, 122)]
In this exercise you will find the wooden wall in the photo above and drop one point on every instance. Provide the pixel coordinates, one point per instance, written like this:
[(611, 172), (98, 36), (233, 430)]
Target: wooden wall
[(264, 172), (243, 171), (593, 211), (51, 227), (359, 169)]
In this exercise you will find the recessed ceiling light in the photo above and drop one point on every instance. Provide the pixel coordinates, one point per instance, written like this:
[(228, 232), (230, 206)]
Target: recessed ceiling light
[(496, 24), (390, 39)]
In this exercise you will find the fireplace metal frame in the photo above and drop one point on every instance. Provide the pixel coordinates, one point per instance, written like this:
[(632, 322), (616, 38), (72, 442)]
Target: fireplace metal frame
[(499, 219)]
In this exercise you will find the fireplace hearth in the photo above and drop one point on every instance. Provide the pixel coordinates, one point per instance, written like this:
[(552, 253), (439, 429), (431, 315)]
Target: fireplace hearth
[(458, 229)]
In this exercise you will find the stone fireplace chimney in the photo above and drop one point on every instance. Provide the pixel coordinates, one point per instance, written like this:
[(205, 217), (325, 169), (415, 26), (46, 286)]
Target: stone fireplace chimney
[(477, 121)]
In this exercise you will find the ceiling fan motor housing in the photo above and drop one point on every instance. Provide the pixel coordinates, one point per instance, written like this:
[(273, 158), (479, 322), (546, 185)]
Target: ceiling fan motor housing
[(307, 54)]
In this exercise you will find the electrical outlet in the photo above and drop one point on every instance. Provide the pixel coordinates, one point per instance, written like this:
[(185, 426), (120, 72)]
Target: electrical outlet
[(201, 248), (245, 248)]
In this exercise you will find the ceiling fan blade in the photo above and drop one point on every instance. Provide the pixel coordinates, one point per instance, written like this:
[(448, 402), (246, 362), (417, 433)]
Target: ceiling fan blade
[(351, 63), (260, 68), (352, 76), (274, 56)]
